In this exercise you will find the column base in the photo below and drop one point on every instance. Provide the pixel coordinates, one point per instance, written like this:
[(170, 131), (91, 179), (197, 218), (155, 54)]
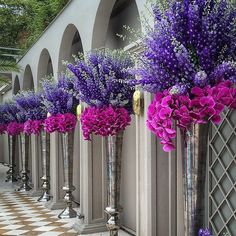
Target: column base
[(51, 205), (83, 228)]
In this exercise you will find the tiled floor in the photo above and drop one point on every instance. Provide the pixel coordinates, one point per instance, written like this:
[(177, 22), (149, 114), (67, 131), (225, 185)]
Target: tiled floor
[(23, 215)]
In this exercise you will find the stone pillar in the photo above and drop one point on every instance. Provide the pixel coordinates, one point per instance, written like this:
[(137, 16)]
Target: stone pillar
[(36, 165), (145, 175), (56, 174), (92, 186)]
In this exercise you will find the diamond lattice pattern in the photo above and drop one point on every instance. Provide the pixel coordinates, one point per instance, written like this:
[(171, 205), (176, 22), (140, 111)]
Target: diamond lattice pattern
[(222, 176)]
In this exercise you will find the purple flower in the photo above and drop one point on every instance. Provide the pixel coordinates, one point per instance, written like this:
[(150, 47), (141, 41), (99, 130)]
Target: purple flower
[(204, 232), (200, 78), (60, 97), (30, 104), (103, 79), (192, 44), (10, 112)]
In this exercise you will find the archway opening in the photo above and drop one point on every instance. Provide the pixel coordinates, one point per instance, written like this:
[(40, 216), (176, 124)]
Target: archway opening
[(124, 13), (45, 67), (28, 81), (16, 85), (70, 45)]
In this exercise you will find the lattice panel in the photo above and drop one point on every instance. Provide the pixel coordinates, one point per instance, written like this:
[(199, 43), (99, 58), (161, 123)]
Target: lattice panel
[(222, 176)]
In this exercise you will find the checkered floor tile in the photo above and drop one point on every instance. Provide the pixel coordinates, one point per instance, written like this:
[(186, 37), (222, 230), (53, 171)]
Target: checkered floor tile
[(23, 215)]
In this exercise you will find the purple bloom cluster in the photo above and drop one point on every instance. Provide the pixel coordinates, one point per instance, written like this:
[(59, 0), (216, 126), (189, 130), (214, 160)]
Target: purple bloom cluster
[(11, 119), (3, 117), (103, 79), (60, 97), (31, 105), (11, 113), (192, 44), (204, 232)]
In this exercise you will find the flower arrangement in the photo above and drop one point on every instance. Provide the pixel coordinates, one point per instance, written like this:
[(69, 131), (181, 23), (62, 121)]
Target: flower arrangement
[(13, 118), (199, 106), (15, 128), (30, 103), (103, 83), (204, 232), (3, 120), (188, 62), (104, 121), (60, 100)]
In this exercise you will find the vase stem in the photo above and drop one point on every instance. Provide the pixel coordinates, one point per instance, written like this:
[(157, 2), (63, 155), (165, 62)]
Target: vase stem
[(12, 159), (45, 152), (114, 157), (67, 144), (24, 138), (194, 148)]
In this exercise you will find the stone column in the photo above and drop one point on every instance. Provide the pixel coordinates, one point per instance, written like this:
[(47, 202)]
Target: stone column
[(92, 186), (36, 165), (56, 174), (146, 175)]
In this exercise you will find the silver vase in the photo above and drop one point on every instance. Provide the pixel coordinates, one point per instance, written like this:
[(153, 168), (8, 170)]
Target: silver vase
[(45, 152), (114, 157), (24, 140), (12, 159), (67, 145), (194, 154)]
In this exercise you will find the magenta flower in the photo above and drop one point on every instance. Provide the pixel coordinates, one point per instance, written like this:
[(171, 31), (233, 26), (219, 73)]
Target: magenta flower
[(51, 124), (33, 126), (3, 128), (207, 101), (62, 123), (66, 122), (15, 128), (104, 121), (200, 106)]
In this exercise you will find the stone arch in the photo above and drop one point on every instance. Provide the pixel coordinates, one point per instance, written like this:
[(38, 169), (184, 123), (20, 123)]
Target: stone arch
[(45, 66), (110, 18), (16, 85), (70, 45), (28, 81)]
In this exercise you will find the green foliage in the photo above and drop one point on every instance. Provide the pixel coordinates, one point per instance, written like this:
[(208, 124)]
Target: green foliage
[(22, 21), (12, 22), (7, 66)]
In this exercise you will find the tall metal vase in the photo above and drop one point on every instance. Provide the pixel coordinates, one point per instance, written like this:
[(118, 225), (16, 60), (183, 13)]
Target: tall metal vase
[(194, 154), (114, 159), (67, 145), (45, 152), (24, 140), (12, 159)]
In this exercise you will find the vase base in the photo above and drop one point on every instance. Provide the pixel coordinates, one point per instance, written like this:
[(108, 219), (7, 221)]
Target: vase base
[(24, 188), (67, 213), (45, 197)]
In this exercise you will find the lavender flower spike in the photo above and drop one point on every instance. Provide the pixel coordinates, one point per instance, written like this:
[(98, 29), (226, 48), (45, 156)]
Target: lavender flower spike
[(102, 79), (204, 232)]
